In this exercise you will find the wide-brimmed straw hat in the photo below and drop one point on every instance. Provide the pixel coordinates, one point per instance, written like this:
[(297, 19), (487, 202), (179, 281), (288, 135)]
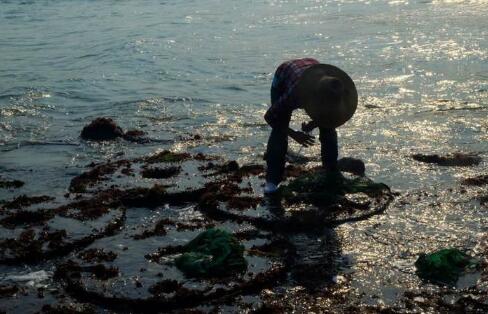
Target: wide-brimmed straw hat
[(328, 95)]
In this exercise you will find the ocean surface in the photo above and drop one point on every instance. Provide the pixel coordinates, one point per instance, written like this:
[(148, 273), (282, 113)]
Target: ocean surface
[(176, 68)]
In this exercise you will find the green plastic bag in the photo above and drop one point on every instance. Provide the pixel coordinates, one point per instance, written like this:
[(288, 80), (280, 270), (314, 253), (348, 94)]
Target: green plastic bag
[(213, 252), (444, 266)]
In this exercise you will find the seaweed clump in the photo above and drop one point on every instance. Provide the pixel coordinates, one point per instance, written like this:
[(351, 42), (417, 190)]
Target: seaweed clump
[(160, 173), (158, 230), (7, 184), (80, 183), (25, 217), (323, 188), (97, 255), (451, 160), (476, 181), (167, 156), (71, 308), (25, 201)]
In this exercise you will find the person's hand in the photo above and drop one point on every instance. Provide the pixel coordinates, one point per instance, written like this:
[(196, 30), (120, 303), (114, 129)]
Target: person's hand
[(302, 138), (308, 127)]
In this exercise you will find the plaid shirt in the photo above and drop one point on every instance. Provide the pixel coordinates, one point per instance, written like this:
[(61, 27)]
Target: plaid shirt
[(283, 98)]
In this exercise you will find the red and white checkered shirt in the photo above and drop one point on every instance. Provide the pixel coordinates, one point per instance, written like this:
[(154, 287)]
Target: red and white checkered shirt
[(283, 97)]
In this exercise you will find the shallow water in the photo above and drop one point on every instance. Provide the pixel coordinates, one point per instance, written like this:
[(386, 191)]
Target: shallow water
[(174, 68)]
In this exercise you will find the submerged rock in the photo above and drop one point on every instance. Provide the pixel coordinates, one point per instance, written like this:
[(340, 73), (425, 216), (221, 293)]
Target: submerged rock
[(102, 129), (454, 160)]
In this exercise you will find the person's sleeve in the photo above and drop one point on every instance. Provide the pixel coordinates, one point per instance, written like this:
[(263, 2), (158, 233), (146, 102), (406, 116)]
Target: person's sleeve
[(278, 115)]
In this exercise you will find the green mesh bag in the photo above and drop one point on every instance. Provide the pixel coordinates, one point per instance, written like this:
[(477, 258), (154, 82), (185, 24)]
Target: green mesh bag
[(444, 266), (213, 252), (324, 188)]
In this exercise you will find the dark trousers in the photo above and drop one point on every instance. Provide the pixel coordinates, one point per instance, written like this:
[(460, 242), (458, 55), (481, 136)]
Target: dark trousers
[(278, 146)]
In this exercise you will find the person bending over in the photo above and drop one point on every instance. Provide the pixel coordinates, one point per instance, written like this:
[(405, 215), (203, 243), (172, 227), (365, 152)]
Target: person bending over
[(328, 96)]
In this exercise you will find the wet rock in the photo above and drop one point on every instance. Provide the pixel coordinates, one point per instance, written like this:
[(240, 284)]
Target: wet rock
[(137, 136), (476, 181), (101, 129), (456, 159), (135, 133), (14, 184), (352, 165), (160, 173)]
